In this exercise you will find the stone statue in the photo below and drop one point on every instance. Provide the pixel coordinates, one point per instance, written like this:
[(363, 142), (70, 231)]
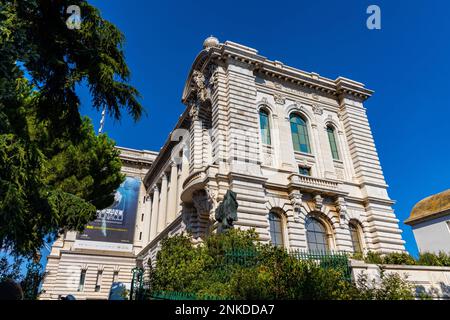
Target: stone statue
[(226, 212)]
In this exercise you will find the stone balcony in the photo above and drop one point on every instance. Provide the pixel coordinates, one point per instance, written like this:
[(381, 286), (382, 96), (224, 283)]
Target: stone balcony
[(193, 182), (313, 184)]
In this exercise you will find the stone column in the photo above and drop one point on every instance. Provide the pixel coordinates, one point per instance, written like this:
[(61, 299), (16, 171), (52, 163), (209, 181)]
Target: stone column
[(154, 219), (184, 173), (147, 219), (315, 143), (162, 204), (196, 139), (173, 194)]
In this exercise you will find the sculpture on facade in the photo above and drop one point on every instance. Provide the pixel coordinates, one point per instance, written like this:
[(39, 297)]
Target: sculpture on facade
[(226, 212)]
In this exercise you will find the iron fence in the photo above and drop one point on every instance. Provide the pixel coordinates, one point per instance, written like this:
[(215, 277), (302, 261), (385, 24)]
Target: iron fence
[(336, 260)]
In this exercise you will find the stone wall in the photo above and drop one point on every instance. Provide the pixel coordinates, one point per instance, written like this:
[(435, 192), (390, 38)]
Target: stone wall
[(430, 280)]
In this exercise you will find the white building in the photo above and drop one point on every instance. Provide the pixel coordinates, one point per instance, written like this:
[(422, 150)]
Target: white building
[(296, 147), (430, 221), (87, 268)]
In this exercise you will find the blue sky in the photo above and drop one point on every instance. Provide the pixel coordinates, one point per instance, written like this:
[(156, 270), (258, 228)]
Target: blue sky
[(406, 63)]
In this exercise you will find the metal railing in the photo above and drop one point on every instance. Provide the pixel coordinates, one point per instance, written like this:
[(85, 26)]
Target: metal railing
[(336, 260)]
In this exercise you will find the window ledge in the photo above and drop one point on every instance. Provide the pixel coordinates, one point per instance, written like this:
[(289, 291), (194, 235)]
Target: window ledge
[(310, 155)]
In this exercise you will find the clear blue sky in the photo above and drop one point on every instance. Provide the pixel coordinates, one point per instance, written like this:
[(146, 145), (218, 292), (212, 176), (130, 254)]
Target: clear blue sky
[(406, 63)]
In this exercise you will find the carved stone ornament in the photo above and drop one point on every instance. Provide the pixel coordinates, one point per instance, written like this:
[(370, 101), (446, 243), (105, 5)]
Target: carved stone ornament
[(194, 112), (318, 201), (341, 208), (296, 202), (317, 109), (279, 99), (267, 159), (198, 79), (202, 202)]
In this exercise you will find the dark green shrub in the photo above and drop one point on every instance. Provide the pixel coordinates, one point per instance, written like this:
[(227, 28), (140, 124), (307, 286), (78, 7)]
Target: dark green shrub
[(255, 271), (401, 258), (432, 259), (373, 257)]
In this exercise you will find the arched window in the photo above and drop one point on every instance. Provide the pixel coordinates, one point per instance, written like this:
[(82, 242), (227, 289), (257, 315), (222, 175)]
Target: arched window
[(265, 126), (316, 235), (276, 229), (299, 131), (355, 236), (333, 144)]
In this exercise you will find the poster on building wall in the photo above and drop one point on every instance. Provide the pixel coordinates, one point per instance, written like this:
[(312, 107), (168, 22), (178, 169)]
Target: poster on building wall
[(113, 229)]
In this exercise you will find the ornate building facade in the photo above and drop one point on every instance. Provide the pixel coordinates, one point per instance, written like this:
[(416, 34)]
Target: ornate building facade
[(295, 147)]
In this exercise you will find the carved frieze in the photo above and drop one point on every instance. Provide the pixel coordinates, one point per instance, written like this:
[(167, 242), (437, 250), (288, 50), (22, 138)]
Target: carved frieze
[(279, 99), (317, 109)]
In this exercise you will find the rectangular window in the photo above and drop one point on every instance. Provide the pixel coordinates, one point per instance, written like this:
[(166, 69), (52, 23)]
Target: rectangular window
[(140, 235), (265, 127), (333, 144), (115, 276), (98, 282), (82, 280), (142, 217), (304, 171)]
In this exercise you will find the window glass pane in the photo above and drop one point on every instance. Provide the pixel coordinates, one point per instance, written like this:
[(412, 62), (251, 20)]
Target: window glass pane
[(316, 236), (265, 127), (276, 230), (82, 279), (356, 243), (299, 133), (333, 144), (304, 171)]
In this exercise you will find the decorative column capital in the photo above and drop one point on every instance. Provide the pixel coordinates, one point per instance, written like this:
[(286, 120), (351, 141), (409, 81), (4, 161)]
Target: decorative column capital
[(155, 188), (194, 112)]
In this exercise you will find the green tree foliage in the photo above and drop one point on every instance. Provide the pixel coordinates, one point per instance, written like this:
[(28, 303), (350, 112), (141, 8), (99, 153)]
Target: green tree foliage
[(266, 272), (403, 258), (54, 171), (28, 282)]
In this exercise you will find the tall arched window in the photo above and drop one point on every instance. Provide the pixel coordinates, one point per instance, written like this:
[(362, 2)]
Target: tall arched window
[(316, 235), (276, 229), (265, 126), (355, 236), (333, 144), (299, 131)]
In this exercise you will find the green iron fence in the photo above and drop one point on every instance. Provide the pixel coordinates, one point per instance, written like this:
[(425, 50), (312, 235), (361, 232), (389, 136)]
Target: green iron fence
[(336, 260), (174, 295)]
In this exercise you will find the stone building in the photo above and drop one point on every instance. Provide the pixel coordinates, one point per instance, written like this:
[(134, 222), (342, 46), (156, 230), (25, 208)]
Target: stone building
[(87, 268), (430, 221), (296, 147)]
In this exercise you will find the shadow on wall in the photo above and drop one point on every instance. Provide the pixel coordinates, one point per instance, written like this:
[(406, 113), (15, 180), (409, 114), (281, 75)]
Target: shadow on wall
[(433, 292)]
